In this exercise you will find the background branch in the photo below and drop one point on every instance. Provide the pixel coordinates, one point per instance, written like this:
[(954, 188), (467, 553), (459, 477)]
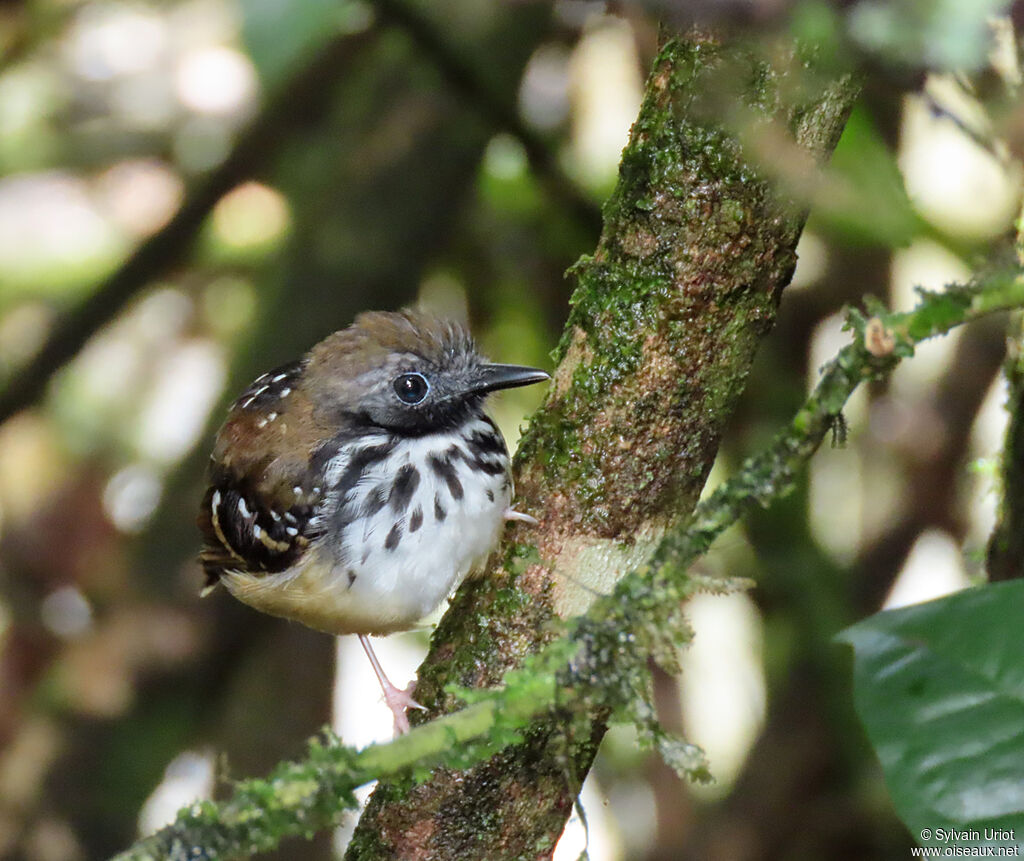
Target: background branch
[(470, 81), (301, 100)]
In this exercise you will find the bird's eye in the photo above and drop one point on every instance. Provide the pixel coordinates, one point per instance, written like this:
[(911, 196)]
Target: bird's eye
[(411, 388)]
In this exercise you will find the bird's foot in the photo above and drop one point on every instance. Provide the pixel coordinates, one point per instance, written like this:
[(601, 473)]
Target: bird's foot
[(398, 700), (512, 514)]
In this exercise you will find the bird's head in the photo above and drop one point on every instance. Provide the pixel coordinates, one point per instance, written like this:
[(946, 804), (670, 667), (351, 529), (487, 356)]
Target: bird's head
[(405, 371)]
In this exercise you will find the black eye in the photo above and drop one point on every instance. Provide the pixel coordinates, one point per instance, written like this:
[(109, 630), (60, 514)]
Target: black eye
[(411, 388)]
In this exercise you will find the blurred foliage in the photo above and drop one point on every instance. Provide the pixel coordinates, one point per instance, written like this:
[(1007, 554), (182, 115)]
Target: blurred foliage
[(940, 35), (866, 203), (405, 172)]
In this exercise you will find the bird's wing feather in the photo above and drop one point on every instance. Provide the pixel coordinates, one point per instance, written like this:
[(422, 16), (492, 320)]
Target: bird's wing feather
[(256, 515)]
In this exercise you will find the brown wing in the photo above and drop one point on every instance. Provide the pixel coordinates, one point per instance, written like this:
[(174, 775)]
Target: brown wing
[(257, 512)]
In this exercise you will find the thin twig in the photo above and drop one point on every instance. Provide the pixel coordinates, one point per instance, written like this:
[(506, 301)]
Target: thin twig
[(472, 83)]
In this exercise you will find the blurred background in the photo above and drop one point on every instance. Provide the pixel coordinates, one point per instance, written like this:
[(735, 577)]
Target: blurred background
[(205, 188)]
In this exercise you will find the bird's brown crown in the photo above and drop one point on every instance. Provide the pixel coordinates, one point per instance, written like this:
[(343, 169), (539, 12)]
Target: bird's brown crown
[(378, 339), (350, 375)]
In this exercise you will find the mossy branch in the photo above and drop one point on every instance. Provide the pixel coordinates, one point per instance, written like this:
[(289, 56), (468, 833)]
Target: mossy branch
[(1005, 557), (601, 658), (699, 242)]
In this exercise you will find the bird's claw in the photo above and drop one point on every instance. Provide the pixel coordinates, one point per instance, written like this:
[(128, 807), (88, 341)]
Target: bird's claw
[(398, 700), (512, 514)]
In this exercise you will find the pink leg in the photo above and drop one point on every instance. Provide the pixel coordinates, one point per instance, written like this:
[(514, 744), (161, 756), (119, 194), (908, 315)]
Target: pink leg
[(398, 700), (512, 514)]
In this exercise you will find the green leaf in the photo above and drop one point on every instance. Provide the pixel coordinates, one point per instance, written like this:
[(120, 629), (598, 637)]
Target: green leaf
[(939, 34), (940, 689), (863, 199), (279, 33)]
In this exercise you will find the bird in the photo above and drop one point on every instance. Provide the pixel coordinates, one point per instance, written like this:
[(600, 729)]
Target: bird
[(353, 490)]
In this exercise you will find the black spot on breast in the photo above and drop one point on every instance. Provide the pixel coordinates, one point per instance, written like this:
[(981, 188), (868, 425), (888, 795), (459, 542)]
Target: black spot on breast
[(375, 501), (446, 470), (487, 453), (439, 513), (360, 461), (351, 577), (490, 495), (491, 467), (405, 484), (394, 536), (481, 443), (416, 519)]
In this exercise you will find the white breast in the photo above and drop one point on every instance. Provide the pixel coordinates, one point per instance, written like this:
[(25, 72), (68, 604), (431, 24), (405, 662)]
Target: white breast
[(392, 553)]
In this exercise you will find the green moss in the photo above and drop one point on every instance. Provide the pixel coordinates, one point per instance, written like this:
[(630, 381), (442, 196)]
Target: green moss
[(630, 290), (368, 843)]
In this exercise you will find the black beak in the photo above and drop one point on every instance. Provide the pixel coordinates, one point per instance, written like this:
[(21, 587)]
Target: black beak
[(493, 377)]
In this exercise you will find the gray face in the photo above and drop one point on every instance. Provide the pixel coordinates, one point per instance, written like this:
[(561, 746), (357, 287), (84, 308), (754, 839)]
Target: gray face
[(393, 371), (414, 395)]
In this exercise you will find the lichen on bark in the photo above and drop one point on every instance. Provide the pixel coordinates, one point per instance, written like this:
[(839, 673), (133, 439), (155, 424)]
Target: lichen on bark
[(696, 248)]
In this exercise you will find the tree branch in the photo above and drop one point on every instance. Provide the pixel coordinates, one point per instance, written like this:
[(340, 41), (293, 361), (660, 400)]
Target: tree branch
[(696, 249), (302, 99), (471, 82), (602, 656)]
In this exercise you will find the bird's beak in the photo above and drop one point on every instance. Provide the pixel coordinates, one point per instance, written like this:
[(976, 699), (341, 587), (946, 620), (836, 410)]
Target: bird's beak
[(493, 377)]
